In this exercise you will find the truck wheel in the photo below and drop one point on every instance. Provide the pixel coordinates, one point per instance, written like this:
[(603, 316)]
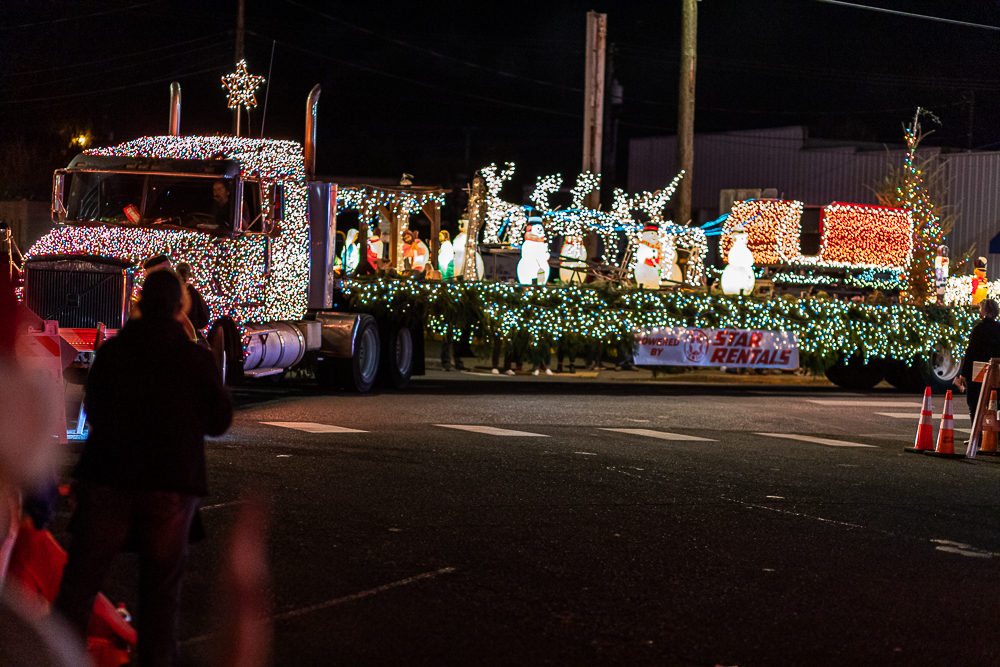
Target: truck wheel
[(855, 374), (357, 373), (223, 339), (397, 358), (939, 372), (904, 376)]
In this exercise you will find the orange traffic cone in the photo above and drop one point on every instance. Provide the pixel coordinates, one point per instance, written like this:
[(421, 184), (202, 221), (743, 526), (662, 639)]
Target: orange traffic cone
[(925, 431), (946, 434), (989, 444)]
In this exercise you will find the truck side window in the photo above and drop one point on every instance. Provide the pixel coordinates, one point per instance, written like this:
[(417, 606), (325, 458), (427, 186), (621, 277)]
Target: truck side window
[(253, 215)]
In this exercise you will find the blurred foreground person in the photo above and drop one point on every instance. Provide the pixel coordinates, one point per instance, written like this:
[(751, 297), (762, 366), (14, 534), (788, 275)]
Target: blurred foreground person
[(27, 458), (984, 344), (152, 395)]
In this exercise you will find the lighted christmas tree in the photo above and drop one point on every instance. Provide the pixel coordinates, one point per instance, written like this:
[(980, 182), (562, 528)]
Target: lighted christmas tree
[(914, 187)]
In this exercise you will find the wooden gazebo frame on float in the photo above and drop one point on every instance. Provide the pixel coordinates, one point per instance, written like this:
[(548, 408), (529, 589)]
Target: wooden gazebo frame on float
[(394, 203)]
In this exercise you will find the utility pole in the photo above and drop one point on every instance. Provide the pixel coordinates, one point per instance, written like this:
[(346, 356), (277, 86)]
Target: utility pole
[(240, 13), (593, 99), (685, 110)]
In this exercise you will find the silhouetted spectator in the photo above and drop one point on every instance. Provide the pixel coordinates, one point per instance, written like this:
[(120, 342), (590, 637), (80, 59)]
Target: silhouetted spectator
[(152, 396)]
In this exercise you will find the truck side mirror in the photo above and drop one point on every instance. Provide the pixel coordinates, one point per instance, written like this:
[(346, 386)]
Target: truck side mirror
[(58, 194)]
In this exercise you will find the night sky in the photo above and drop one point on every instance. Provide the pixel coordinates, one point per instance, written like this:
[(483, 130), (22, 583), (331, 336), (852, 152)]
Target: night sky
[(440, 89)]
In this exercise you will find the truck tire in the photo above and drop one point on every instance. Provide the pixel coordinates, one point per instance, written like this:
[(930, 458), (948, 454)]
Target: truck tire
[(855, 374), (940, 371), (397, 358), (904, 377), (358, 373)]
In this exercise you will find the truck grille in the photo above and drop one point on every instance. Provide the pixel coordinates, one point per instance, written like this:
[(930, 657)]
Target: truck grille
[(78, 293)]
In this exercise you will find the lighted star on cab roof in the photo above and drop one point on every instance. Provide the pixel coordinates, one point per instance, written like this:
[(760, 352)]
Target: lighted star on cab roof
[(241, 86)]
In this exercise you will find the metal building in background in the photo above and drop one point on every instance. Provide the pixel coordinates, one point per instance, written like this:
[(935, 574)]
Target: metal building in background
[(817, 172)]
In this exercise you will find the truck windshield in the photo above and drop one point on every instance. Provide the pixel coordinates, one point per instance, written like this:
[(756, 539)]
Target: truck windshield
[(151, 200)]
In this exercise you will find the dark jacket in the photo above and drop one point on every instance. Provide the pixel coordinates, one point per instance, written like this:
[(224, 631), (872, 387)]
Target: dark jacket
[(152, 395), (198, 312), (984, 344)]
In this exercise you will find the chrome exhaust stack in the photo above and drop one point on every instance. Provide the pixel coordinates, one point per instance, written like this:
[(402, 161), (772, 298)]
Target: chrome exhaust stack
[(175, 109), (310, 145)]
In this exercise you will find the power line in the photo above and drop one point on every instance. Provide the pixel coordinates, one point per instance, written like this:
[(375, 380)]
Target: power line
[(129, 65), (124, 55), (422, 84), (77, 18), (173, 76), (435, 53), (910, 15)]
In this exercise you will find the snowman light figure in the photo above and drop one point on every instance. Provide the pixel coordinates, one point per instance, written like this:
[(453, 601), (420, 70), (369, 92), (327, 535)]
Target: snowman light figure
[(573, 255), (534, 264), (647, 258), (737, 277)]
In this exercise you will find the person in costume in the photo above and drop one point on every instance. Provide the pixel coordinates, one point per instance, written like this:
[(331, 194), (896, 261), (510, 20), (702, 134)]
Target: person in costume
[(980, 286), (375, 247), (352, 253), (446, 255)]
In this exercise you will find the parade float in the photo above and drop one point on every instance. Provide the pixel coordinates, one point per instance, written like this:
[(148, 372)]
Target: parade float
[(264, 257)]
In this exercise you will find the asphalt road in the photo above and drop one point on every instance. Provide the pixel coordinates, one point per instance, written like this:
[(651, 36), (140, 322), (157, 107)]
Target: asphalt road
[(606, 524)]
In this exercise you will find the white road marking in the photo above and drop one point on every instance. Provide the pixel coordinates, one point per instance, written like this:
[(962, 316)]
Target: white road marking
[(336, 601), (490, 430), (642, 421), (658, 434), (962, 549), (284, 456), (907, 415), (586, 453), (310, 427), (778, 497), (821, 441), (866, 404)]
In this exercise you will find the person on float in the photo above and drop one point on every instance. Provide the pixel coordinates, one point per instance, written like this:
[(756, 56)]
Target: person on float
[(980, 286), (446, 255), (984, 344), (352, 253), (375, 247), (421, 254)]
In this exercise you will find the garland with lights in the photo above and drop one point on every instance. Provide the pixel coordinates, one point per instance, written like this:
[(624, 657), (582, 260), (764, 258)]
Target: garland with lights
[(530, 319)]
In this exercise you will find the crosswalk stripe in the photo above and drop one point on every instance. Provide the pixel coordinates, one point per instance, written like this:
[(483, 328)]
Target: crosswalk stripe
[(907, 415), (310, 427), (821, 441), (649, 433), (491, 430), (867, 404)]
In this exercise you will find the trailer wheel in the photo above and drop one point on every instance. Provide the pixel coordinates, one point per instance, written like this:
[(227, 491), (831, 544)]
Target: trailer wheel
[(397, 358), (904, 376), (939, 372), (856, 374)]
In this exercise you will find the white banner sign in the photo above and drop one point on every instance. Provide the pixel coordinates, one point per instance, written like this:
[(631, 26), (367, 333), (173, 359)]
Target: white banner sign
[(733, 348)]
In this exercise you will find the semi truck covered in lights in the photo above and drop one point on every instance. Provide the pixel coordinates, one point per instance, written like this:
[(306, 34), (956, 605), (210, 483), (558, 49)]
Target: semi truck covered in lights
[(861, 245), (257, 230)]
